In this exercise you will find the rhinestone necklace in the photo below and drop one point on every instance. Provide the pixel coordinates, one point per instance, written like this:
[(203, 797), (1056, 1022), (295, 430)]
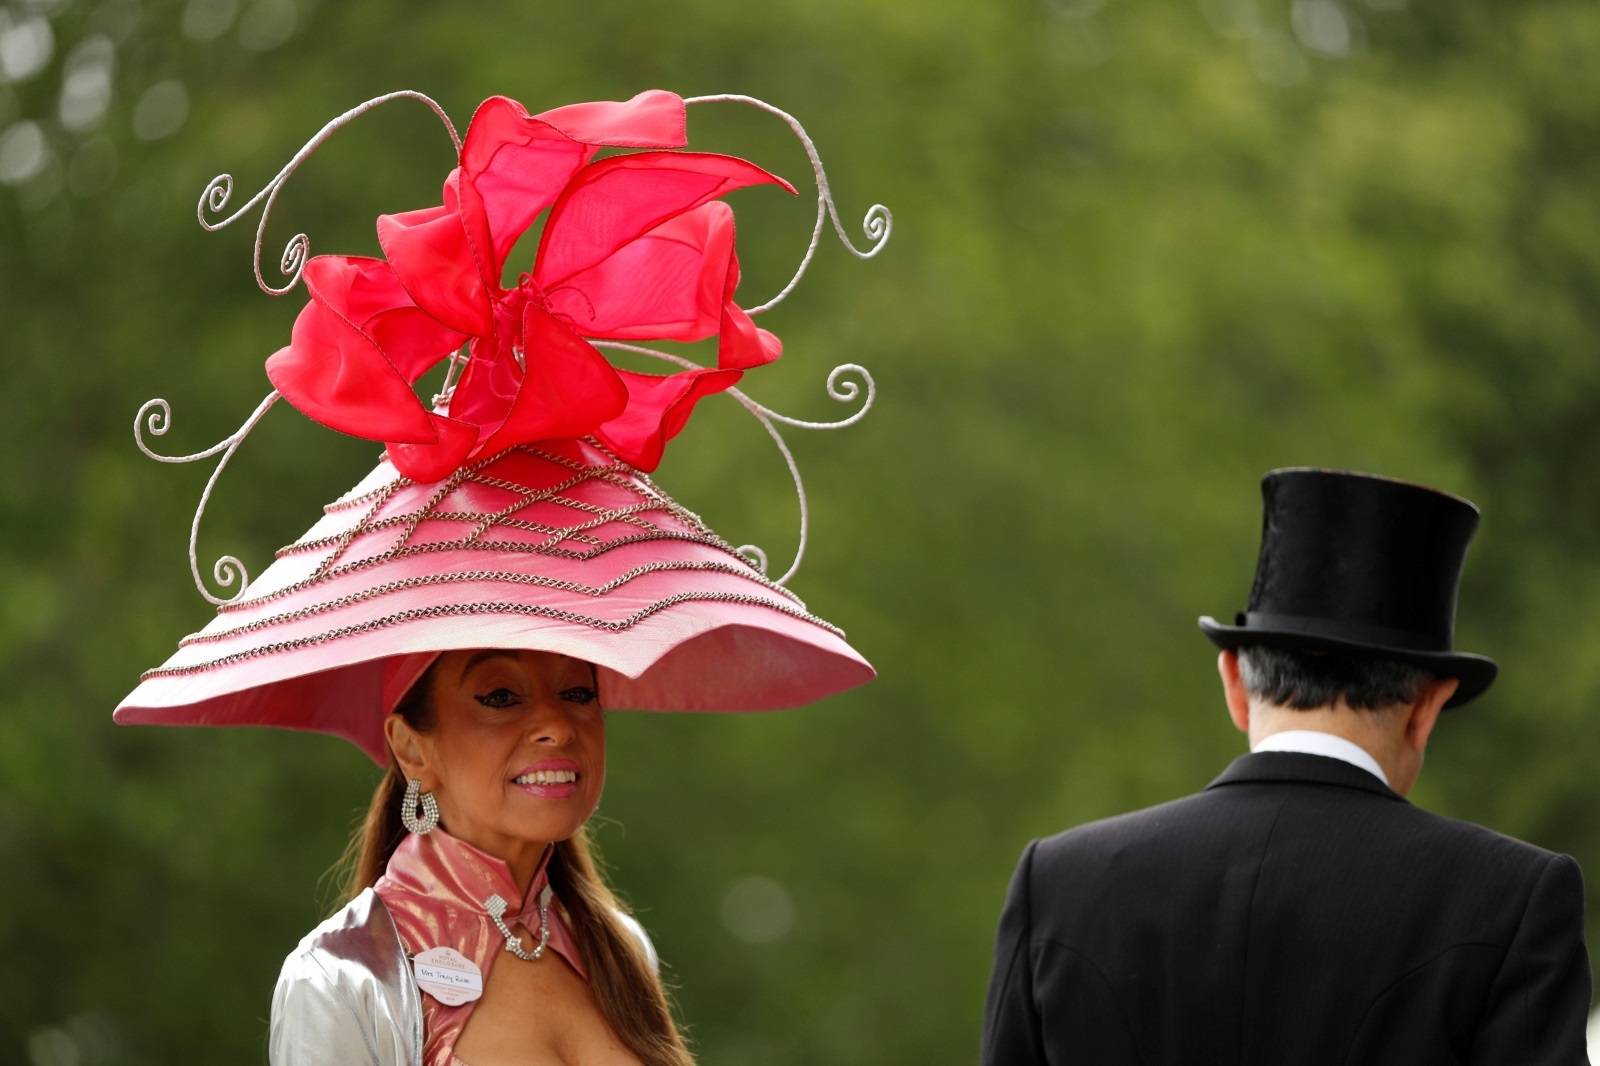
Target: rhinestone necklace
[(496, 906)]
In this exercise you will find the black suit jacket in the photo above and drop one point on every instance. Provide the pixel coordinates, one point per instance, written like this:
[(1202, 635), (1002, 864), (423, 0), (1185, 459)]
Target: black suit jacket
[(1295, 913)]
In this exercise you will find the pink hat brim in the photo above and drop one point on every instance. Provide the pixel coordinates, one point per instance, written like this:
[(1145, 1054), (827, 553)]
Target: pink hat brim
[(331, 634)]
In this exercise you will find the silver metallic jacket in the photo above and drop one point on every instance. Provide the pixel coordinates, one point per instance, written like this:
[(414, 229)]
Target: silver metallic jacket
[(346, 995)]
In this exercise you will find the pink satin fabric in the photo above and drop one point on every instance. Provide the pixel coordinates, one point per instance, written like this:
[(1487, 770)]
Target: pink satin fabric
[(434, 888)]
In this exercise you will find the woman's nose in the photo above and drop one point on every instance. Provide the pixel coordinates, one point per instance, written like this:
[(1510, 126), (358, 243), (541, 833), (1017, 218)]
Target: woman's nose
[(551, 725)]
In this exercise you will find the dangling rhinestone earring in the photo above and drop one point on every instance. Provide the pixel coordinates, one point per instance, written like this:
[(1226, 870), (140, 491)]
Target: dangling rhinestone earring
[(408, 809)]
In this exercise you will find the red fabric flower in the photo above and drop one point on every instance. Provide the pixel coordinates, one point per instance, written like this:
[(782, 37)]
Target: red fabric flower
[(635, 246)]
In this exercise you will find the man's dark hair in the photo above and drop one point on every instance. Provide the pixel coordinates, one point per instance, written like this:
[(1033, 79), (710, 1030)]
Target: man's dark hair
[(1306, 679)]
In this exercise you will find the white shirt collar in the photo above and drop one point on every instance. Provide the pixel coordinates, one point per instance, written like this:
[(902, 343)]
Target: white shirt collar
[(1312, 742)]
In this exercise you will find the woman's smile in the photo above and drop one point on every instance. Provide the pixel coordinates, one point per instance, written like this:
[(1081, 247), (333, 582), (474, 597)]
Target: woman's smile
[(550, 779)]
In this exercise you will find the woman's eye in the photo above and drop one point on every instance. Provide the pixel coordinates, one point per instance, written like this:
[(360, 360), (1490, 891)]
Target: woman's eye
[(580, 694), (499, 698)]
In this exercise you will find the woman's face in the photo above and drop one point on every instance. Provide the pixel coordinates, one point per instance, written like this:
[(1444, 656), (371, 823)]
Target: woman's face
[(517, 755)]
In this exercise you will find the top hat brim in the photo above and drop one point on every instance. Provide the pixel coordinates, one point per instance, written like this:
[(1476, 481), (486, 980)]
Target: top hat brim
[(1474, 672)]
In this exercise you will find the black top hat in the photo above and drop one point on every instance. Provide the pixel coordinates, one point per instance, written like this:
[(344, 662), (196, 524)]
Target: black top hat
[(1363, 564)]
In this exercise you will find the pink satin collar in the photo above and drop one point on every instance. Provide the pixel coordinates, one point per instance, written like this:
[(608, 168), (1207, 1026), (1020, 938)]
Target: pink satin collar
[(435, 887)]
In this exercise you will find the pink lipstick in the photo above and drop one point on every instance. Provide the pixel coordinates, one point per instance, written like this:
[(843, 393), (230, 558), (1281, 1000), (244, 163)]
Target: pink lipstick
[(549, 778)]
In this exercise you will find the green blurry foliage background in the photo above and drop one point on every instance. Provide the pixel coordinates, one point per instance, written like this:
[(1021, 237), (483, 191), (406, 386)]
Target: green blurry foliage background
[(1142, 253)]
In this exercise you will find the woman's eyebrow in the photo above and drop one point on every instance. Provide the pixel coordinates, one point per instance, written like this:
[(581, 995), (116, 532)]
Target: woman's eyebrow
[(483, 656)]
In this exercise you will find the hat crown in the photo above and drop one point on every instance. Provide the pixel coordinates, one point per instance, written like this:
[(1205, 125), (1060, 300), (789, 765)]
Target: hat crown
[(1378, 558)]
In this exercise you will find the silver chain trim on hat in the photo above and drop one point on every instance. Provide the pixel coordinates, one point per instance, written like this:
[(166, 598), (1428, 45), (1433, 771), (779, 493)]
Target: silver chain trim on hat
[(431, 510), (512, 547), (466, 517), (626, 515), (466, 610), (478, 473), (501, 576)]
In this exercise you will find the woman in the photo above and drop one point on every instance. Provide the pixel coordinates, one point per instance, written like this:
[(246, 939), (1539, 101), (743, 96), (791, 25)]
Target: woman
[(467, 634), (509, 568), (510, 747)]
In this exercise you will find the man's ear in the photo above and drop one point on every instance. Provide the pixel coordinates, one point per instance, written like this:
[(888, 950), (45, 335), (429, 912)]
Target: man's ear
[(410, 750), (1233, 689), (1424, 714)]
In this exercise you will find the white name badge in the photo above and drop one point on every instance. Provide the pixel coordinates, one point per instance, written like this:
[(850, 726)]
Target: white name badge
[(448, 976)]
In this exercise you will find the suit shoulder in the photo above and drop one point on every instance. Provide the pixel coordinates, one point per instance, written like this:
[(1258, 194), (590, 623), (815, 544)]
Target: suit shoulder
[(1184, 825), (1477, 841), (1148, 826)]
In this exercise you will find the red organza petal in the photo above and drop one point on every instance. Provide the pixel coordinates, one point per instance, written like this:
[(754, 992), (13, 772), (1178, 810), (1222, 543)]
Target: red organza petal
[(430, 256), (658, 407), (652, 119), (568, 390), (740, 342), (617, 200), (415, 342), (427, 463), (355, 287), (335, 375), (366, 293), (488, 386), (514, 164), (635, 246), (500, 203), (668, 284), (743, 344)]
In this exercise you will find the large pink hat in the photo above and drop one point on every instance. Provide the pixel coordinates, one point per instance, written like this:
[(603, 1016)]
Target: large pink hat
[(515, 511)]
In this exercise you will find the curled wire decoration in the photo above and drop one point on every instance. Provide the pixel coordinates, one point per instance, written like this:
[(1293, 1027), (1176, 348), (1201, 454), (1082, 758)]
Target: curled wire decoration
[(155, 417), (876, 224), (214, 198), (753, 552), (755, 555), (841, 387), (845, 383)]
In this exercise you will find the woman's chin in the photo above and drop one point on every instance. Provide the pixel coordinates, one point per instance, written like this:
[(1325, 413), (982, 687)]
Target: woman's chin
[(545, 829)]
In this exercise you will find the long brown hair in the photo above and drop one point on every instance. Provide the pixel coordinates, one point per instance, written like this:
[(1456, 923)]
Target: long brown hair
[(626, 987)]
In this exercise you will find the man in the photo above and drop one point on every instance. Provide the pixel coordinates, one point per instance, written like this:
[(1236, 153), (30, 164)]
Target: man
[(1300, 911)]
